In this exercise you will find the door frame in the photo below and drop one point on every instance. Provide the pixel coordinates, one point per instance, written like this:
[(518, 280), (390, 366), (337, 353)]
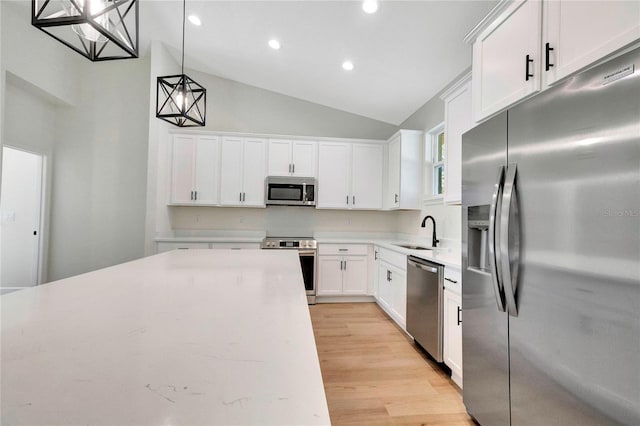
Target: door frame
[(45, 206)]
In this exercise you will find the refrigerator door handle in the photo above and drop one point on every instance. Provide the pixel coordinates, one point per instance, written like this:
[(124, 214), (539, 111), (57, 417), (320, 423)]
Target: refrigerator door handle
[(494, 255), (510, 238)]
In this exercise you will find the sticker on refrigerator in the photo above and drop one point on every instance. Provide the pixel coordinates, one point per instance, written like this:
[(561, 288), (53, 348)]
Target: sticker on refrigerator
[(618, 74)]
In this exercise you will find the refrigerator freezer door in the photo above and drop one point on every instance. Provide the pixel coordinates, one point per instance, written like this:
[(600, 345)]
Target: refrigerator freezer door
[(484, 333), (575, 343)]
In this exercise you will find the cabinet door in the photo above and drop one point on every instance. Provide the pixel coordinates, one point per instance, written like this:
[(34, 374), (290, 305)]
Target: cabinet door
[(500, 59), (458, 119), (279, 157), (334, 171), (366, 177), (399, 295), (452, 336), (231, 171), (329, 275), (254, 164), (355, 275), (182, 169), (384, 286), (393, 187), (582, 32), (207, 168), (303, 158)]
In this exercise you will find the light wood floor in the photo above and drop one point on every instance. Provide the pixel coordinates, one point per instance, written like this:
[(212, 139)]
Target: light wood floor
[(375, 375)]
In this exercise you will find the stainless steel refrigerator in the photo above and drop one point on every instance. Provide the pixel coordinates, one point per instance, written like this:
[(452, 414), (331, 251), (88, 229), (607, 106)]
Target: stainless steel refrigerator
[(551, 255)]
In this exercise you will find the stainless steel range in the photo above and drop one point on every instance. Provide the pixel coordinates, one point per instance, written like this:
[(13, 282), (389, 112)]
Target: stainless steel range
[(307, 248)]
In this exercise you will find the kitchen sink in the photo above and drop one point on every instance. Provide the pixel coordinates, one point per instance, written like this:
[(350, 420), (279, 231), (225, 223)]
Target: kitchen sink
[(413, 247)]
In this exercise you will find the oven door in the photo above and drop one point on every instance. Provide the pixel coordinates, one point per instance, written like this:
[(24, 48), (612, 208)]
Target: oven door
[(285, 194), (308, 265)]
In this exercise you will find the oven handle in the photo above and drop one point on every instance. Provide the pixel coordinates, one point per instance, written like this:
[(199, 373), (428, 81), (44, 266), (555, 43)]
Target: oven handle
[(307, 252)]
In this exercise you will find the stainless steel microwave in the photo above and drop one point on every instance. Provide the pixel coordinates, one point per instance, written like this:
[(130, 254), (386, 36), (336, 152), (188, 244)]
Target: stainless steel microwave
[(290, 191)]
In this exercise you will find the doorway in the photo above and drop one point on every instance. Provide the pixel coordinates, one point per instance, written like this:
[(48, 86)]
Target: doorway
[(21, 207)]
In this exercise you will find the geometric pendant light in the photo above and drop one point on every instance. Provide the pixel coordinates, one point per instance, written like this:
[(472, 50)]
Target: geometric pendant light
[(179, 99), (99, 30)]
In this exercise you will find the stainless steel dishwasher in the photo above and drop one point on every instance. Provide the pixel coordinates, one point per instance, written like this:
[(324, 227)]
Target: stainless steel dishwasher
[(424, 304)]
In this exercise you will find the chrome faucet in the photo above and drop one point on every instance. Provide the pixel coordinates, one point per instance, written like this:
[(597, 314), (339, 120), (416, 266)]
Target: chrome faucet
[(434, 240)]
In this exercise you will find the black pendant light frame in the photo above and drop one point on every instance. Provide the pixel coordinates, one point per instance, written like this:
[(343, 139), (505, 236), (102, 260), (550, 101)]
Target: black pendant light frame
[(171, 86), (47, 16)]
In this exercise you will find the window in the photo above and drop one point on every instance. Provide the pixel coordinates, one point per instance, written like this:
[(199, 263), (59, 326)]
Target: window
[(435, 150)]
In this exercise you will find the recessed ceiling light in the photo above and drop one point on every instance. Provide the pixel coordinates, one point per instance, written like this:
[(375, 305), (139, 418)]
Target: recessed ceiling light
[(274, 44), (370, 6), (347, 65), (195, 20)]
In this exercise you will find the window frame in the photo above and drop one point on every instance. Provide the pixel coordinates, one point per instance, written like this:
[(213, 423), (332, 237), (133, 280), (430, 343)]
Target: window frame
[(431, 165)]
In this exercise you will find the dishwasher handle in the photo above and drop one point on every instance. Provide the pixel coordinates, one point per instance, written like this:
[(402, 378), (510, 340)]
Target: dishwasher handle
[(421, 266)]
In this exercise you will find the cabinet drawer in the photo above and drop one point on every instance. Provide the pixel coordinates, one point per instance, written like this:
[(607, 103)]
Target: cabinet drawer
[(235, 246), (343, 249), (453, 280), (168, 246), (394, 258)]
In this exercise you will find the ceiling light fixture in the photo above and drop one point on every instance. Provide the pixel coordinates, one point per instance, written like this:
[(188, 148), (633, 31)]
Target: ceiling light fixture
[(370, 6), (99, 30), (179, 99), (347, 65), (274, 44), (195, 20)]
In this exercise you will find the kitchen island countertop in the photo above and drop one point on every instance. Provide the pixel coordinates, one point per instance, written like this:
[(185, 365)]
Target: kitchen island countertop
[(184, 337)]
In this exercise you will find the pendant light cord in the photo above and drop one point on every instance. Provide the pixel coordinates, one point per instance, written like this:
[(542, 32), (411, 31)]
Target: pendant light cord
[(184, 11)]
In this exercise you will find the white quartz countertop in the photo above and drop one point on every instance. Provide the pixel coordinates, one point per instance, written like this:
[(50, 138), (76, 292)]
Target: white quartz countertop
[(188, 337), (445, 257)]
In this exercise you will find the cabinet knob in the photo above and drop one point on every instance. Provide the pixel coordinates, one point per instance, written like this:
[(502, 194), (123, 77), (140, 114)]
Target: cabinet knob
[(459, 315)]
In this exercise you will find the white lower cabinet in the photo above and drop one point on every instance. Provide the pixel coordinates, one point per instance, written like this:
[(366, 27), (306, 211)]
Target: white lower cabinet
[(452, 324), (391, 293), (343, 270)]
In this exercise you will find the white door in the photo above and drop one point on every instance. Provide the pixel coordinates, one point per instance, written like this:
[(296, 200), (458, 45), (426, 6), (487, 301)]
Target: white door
[(399, 295), (207, 168), (254, 164), (329, 275), (334, 172), (581, 32), (231, 171), (393, 187), (303, 158), (355, 275), (279, 157), (20, 209), (384, 286), (182, 169), (452, 347), (366, 177), (501, 56)]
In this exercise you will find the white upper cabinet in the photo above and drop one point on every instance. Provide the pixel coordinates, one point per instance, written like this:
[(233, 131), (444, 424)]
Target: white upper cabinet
[(524, 46), (582, 32), (292, 158), (404, 179), (457, 120), (334, 170), (350, 175), (366, 177), (194, 170), (506, 59), (242, 171)]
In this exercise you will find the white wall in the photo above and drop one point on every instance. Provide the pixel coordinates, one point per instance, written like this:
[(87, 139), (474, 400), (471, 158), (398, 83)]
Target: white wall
[(281, 221), (100, 170), (98, 142)]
